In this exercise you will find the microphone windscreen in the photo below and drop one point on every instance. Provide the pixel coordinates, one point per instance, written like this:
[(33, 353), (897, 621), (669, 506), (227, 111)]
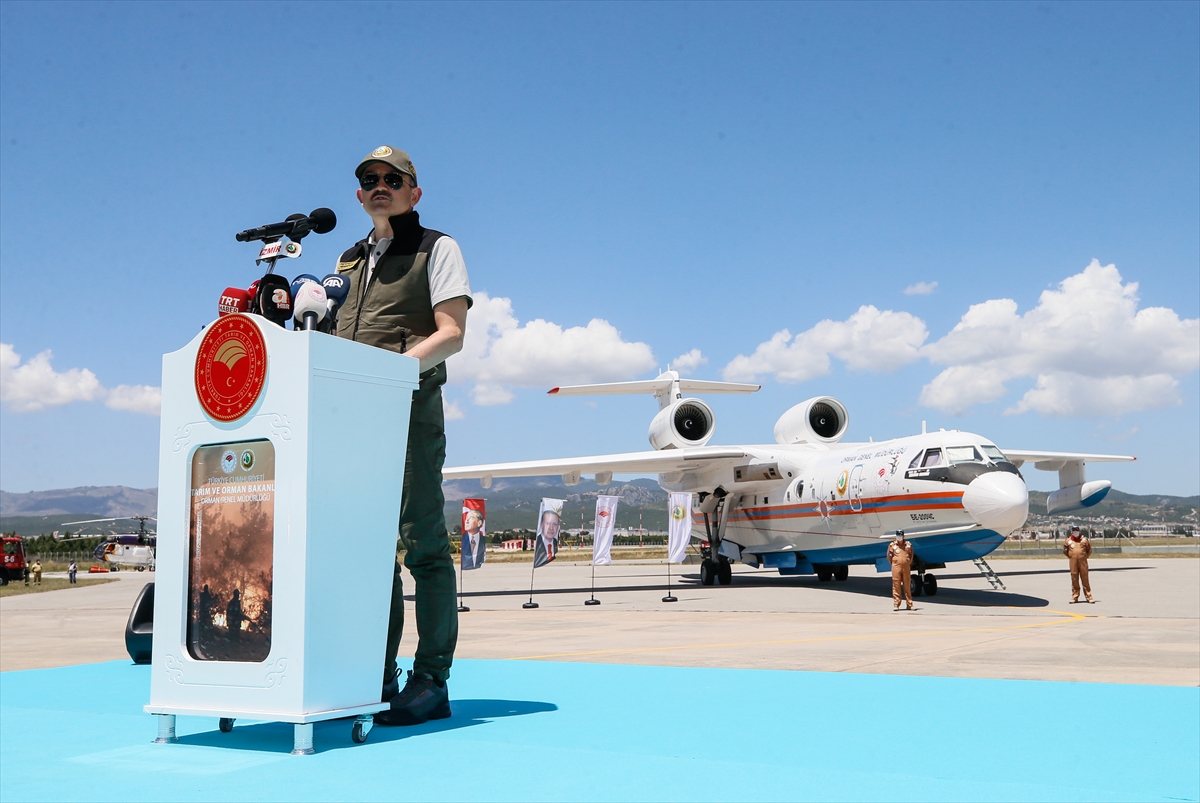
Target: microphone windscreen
[(301, 279), (274, 298), (322, 220), (337, 287), (311, 298), (233, 299)]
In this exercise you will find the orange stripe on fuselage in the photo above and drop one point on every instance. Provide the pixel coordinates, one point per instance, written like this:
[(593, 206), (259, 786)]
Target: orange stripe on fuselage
[(946, 500)]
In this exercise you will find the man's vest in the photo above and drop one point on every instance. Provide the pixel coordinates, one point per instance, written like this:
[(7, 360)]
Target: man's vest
[(392, 310)]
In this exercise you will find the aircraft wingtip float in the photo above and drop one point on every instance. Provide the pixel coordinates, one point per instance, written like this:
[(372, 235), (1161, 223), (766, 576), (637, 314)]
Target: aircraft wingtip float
[(811, 504)]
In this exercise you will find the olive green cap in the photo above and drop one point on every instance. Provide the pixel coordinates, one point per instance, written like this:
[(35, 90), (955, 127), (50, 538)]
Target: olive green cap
[(390, 156)]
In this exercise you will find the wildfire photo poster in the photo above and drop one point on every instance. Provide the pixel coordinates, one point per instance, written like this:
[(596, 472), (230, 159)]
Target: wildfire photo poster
[(474, 533), (680, 524), (606, 522), (545, 545)]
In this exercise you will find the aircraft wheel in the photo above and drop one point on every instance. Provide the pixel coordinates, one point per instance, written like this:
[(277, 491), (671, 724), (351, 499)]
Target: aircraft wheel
[(841, 573), (824, 574), (708, 573), (225, 724), (141, 568), (930, 585), (724, 573), (115, 568), (917, 588)]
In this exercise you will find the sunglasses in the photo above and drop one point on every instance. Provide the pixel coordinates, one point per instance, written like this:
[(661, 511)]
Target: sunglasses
[(370, 181)]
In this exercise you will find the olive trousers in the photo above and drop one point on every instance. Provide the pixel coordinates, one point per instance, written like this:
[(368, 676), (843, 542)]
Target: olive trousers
[(423, 533)]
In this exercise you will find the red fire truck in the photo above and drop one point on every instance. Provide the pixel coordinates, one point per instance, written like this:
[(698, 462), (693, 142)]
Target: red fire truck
[(14, 560)]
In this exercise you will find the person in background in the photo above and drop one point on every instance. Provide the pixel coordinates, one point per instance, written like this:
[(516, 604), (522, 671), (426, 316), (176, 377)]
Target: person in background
[(900, 555), (72, 570), (1078, 549), (37, 572)]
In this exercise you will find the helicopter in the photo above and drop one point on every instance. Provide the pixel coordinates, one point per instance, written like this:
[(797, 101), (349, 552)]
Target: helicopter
[(134, 550)]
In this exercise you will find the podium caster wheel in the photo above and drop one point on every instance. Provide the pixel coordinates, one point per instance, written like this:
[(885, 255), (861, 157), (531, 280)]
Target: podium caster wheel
[(226, 724), (362, 727)]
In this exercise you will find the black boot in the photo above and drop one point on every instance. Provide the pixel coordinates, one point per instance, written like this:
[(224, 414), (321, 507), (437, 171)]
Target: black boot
[(391, 688), (421, 700)]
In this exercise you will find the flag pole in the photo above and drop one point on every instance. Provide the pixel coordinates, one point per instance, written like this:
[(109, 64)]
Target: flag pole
[(531, 603), (593, 600), (669, 597), (461, 608)]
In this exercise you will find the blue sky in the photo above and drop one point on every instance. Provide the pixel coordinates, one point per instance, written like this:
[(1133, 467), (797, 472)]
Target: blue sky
[(646, 180)]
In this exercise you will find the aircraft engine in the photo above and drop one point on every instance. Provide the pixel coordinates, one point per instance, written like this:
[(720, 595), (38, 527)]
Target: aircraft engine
[(819, 420), (687, 422)]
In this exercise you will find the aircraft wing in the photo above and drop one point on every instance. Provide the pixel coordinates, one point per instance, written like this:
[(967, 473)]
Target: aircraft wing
[(1053, 461), (652, 462)]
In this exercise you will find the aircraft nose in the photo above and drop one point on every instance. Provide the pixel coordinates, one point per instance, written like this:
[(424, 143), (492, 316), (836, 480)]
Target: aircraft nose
[(998, 501)]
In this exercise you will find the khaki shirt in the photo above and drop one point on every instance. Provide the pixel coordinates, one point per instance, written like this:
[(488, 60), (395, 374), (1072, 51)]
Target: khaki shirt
[(1078, 549), (900, 555)]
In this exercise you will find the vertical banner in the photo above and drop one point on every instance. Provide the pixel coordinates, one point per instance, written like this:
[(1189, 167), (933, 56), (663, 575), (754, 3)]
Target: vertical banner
[(474, 533), (606, 522), (545, 545), (680, 533)]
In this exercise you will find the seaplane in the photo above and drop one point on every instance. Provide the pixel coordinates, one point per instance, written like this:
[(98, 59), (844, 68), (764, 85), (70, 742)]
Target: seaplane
[(810, 503)]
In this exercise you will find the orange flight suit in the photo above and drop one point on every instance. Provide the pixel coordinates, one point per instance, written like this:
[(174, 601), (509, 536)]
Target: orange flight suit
[(901, 558), (1077, 551)]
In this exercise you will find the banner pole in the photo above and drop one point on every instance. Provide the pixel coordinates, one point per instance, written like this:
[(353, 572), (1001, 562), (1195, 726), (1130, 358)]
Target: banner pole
[(593, 600), (531, 603), (669, 597), (461, 608)]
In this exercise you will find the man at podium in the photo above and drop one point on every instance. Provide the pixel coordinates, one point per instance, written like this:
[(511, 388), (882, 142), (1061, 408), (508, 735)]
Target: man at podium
[(409, 293)]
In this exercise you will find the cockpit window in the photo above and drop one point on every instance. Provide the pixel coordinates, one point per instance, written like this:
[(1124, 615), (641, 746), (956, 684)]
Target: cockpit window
[(916, 461), (962, 454), (995, 454), (933, 457)]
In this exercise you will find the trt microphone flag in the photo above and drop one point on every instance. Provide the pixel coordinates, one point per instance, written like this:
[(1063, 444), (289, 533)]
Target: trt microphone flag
[(606, 522), (474, 533), (679, 510), (545, 544)]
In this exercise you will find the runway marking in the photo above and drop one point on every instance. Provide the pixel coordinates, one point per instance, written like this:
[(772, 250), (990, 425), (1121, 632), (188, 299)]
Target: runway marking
[(1070, 617)]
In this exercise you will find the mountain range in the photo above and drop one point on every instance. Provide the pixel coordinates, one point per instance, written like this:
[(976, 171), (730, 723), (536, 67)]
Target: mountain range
[(511, 503)]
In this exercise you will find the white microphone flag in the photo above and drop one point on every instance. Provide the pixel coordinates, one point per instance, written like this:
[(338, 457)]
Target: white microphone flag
[(680, 523), (606, 522)]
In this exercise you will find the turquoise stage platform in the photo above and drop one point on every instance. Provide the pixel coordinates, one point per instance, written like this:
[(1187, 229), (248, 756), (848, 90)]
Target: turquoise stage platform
[(525, 730)]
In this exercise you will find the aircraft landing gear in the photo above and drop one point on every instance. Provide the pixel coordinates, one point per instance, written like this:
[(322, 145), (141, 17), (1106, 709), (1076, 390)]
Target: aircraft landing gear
[(930, 583), (916, 586), (824, 573), (708, 572), (841, 573), (716, 571), (724, 572)]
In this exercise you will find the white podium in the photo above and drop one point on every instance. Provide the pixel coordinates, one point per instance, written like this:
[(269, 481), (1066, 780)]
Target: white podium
[(281, 462)]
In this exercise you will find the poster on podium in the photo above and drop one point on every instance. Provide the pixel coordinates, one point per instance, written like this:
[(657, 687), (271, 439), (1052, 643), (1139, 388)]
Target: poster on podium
[(230, 566)]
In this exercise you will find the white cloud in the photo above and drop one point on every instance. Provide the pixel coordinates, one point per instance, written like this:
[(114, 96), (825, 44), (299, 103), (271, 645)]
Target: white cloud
[(1087, 345), (452, 411), (499, 352), (869, 340), (920, 289), (687, 363), (136, 399), (35, 385)]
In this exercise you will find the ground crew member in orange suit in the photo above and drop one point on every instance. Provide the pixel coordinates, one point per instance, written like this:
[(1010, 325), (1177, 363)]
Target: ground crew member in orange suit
[(900, 555), (1077, 549)]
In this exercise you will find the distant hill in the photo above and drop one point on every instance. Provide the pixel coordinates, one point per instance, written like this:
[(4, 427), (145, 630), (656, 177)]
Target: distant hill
[(511, 503)]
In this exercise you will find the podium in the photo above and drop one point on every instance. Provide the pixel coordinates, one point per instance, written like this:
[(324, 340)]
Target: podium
[(281, 463)]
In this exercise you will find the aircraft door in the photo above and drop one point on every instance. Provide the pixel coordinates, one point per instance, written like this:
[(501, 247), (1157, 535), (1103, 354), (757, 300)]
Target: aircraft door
[(858, 479)]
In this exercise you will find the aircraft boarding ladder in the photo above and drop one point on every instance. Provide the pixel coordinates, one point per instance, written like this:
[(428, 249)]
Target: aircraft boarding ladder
[(986, 571)]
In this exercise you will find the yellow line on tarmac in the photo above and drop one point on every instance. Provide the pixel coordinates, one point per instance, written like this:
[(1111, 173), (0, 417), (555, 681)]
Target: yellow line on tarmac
[(1070, 617)]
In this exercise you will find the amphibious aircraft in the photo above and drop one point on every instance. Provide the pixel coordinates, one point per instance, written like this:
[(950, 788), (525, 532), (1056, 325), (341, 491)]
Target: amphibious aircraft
[(811, 504)]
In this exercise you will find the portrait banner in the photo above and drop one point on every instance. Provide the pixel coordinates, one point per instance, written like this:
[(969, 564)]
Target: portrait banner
[(679, 510), (474, 533), (545, 544), (606, 522)]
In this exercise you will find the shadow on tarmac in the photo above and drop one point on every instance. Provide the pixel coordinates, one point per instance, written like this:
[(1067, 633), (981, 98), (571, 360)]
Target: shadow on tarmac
[(334, 734)]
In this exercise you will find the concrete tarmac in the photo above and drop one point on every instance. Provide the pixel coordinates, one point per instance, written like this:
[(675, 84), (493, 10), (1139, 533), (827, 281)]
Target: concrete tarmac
[(1144, 628)]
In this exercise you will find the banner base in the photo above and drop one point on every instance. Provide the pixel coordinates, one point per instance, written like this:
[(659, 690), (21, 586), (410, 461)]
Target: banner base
[(591, 602), (670, 599), (529, 605)]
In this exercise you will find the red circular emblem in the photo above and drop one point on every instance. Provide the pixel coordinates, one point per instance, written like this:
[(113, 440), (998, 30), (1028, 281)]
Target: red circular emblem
[(231, 367)]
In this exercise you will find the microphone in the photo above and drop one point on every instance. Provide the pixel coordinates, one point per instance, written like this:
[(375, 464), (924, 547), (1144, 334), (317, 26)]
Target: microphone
[(274, 299), (300, 280), (310, 305), (233, 299), (337, 287), (296, 226), (253, 293)]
